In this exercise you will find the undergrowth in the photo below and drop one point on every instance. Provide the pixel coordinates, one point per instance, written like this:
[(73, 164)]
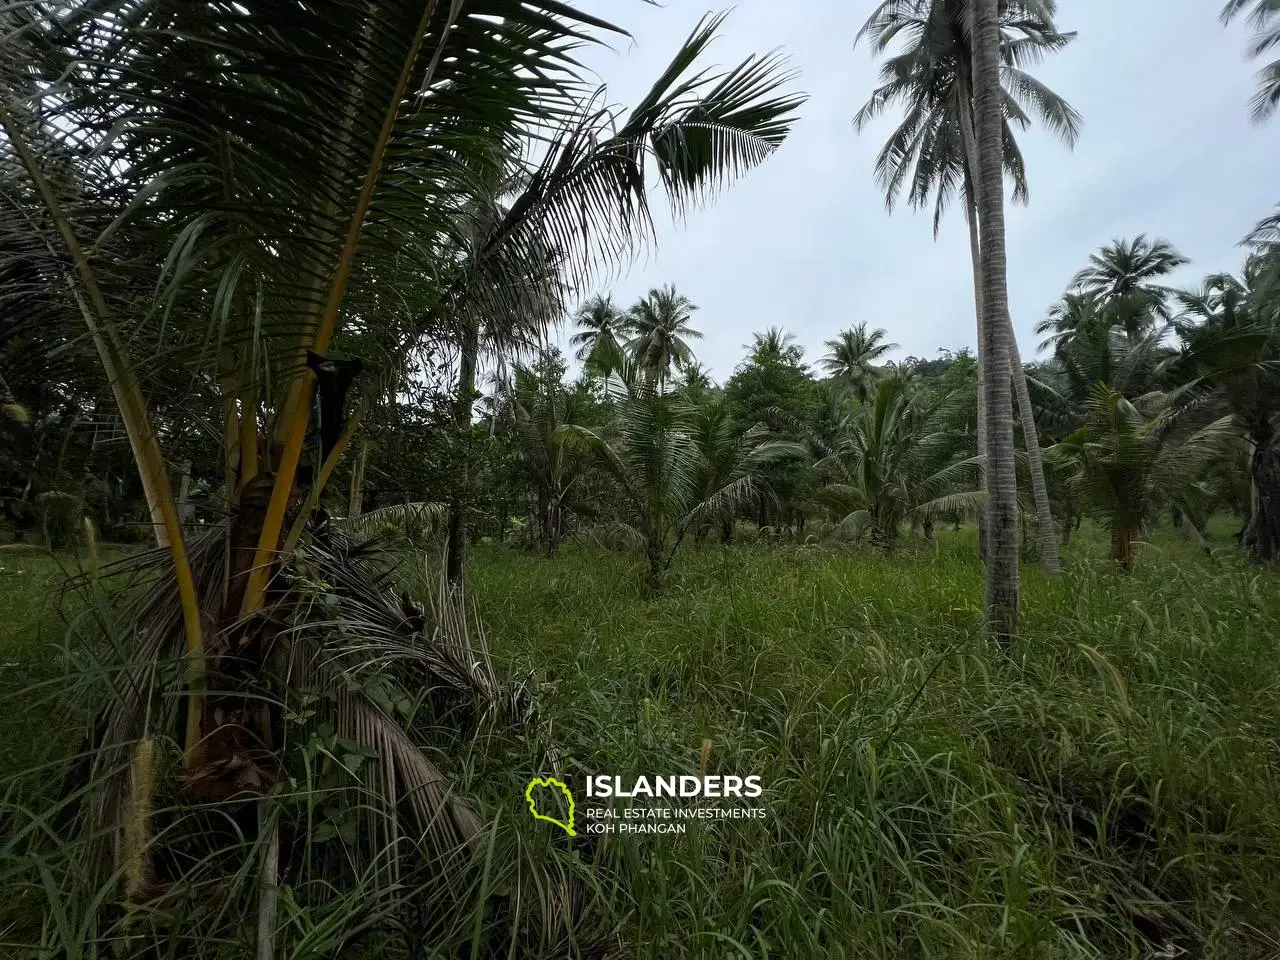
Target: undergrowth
[(1105, 787)]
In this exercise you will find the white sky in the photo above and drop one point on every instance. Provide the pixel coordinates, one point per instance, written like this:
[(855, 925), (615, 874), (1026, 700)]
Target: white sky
[(804, 242)]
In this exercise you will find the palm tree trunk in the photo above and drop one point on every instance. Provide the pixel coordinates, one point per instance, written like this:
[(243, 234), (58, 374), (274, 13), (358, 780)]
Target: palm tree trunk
[(1049, 557), (1002, 485), (355, 498), (1122, 546), (1040, 489), (456, 546), (975, 257)]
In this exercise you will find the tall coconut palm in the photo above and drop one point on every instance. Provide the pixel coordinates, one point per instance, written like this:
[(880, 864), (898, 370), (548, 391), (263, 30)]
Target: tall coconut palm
[(602, 331), (934, 148), (1120, 279), (661, 332), (775, 343), (1002, 484), (1265, 20), (853, 357)]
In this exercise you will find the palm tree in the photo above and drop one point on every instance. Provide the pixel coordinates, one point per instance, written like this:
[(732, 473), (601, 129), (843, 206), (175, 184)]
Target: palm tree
[(1265, 20), (934, 149), (665, 485), (775, 343), (1119, 280), (695, 380), (602, 330), (853, 357), (297, 187), (661, 332), (541, 407), (1124, 468), (1230, 343), (1002, 484), (896, 459), (600, 158), (1073, 315)]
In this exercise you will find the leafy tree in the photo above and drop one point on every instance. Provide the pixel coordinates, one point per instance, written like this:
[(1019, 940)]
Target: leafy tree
[(853, 357), (552, 466), (769, 381)]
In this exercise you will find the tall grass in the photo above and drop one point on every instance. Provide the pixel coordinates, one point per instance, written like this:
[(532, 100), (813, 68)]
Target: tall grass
[(1106, 787)]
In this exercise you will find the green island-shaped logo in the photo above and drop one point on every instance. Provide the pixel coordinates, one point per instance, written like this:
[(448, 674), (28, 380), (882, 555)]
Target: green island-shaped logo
[(533, 804)]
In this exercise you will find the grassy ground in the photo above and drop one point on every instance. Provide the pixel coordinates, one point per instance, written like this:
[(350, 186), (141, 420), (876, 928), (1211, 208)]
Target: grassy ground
[(1105, 788)]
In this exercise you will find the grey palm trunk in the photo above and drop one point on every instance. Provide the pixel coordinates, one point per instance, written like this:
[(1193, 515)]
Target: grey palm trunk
[(1002, 487), (1049, 556)]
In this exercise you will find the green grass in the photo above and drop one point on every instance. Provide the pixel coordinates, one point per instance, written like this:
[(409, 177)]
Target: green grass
[(1106, 787), (1110, 778)]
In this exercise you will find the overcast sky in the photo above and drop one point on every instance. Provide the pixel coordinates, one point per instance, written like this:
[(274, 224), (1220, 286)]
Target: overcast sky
[(804, 242)]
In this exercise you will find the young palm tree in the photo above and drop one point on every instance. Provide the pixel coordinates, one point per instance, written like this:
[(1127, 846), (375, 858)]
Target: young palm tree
[(541, 407), (1124, 468), (1120, 281), (1072, 316), (661, 332), (666, 484), (603, 159), (1230, 342), (1002, 485), (853, 357), (288, 182), (602, 331), (896, 459), (1265, 20), (934, 149), (694, 380)]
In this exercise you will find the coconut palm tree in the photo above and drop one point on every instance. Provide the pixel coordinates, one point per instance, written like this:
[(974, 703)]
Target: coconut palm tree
[(1229, 361), (694, 380), (896, 460), (1125, 466), (296, 185), (600, 157), (1265, 20), (934, 149), (541, 406), (1120, 281), (602, 331), (664, 481), (661, 332), (1073, 315), (1002, 484), (853, 357), (775, 343)]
